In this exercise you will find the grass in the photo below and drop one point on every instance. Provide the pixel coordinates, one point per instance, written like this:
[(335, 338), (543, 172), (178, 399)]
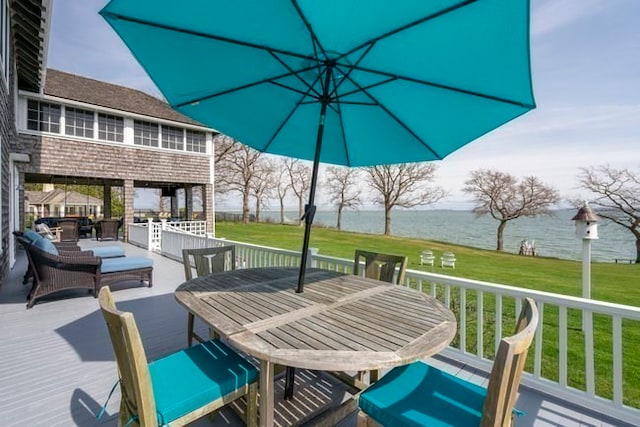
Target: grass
[(610, 282)]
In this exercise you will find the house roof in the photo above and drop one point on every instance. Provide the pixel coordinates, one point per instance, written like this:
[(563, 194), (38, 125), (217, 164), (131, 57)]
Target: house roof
[(83, 89), (58, 197), (30, 31)]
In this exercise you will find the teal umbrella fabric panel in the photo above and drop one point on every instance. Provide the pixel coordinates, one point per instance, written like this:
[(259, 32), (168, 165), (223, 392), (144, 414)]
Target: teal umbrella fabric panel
[(453, 71)]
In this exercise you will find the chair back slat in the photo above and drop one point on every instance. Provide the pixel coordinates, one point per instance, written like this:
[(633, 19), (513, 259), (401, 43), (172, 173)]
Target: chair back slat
[(507, 369), (208, 260), (380, 266), (135, 380)]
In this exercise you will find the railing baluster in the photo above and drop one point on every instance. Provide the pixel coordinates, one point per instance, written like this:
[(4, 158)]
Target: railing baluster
[(617, 360), (480, 325), (562, 343), (498, 333), (537, 363), (587, 329), (462, 325)]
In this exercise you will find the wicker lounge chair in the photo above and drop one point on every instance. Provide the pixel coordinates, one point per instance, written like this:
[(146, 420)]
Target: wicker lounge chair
[(107, 229), (59, 270), (69, 229)]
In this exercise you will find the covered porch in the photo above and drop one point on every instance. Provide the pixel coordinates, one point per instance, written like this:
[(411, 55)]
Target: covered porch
[(58, 365)]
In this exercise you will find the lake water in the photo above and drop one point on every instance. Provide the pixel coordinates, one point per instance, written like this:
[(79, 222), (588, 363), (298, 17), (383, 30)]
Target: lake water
[(554, 235)]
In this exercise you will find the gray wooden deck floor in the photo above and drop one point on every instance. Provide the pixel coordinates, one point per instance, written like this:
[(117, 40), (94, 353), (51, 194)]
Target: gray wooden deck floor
[(57, 365)]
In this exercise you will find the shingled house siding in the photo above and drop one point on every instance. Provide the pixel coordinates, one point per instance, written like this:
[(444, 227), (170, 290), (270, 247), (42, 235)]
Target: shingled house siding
[(50, 155), (7, 131)]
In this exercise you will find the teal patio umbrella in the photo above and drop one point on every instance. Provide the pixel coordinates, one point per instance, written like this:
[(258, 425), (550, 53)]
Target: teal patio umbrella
[(346, 82)]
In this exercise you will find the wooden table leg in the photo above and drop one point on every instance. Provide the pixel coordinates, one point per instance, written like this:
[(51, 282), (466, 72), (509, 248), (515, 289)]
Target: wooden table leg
[(267, 388)]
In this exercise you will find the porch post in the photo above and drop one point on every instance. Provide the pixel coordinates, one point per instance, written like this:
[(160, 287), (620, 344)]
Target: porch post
[(188, 202), (106, 209), (208, 207), (128, 191)]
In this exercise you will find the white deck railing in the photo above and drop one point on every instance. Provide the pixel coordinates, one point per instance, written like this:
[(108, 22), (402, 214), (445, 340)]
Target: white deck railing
[(563, 360)]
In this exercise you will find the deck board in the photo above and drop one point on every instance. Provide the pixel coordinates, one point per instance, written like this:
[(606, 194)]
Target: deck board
[(57, 365)]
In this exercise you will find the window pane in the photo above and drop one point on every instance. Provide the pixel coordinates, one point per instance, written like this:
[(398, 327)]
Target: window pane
[(196, 141), (78, 122), (43, 116), (110, 127), (172, 137), (145, 133)]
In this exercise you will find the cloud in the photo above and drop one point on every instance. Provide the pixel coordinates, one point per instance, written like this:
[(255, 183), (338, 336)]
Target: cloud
[(552, 15)]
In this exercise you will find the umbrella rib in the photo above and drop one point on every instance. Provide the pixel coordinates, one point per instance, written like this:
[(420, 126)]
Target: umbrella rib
[(393, 116), (245, 86), (445, 87), (305, 21), (297, 75), (412, 24), (203, 35)]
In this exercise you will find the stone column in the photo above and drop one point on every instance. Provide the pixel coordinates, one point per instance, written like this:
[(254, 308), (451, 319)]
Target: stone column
[(128, 193), (106, 208), (208, 207), (188, 202)]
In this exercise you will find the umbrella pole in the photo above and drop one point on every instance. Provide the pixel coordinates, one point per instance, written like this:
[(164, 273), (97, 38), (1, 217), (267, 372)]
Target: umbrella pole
[(309, 212), (310, 208)]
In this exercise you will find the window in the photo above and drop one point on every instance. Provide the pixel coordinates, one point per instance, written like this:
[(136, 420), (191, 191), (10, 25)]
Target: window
[(196, 141), (172, 137), (110, 127), (145, 133), (43, 116), (78, 122)]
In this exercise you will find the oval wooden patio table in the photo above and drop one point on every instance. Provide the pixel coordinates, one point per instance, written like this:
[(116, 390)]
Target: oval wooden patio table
[(340, 322)]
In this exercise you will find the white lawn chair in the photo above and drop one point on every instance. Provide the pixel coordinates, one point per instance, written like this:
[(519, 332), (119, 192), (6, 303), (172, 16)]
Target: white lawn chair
[(448, 259), (427, 258)]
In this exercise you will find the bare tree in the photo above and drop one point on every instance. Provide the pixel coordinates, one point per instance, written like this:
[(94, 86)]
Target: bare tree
[(263, 183), (343, 187), (226, 149), (617, 197), (505, 198), (300, 179), (236, 172), (404, 185), (282, 185)]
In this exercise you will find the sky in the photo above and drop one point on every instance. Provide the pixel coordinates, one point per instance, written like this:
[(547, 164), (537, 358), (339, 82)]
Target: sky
[(585, 57)]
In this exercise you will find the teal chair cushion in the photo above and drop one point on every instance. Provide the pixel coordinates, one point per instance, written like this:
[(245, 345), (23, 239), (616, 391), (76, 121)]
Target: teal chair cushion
[(110, 265), (31, 236), (421, 395), (46, 245), (108, 251), (191, 378)]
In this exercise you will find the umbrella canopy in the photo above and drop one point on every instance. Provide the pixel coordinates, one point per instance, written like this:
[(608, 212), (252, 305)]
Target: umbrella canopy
[(345, 82)]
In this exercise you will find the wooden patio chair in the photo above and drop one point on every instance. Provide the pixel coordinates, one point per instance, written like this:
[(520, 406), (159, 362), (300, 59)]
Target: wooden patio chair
[(421, 395), (205, 261), (380, 266), (180, 387)]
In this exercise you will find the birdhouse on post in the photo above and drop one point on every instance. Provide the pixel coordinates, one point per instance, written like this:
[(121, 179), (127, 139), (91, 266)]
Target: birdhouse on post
[(586, 223)]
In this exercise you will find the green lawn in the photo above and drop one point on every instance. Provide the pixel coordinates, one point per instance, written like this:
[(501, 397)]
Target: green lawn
[(610, 282)]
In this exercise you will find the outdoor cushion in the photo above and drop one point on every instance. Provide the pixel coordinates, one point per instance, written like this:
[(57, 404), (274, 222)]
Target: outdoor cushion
[(421, 395), (31, 236), (110, 265), (46, 245), (193, 377), (108, 251)]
